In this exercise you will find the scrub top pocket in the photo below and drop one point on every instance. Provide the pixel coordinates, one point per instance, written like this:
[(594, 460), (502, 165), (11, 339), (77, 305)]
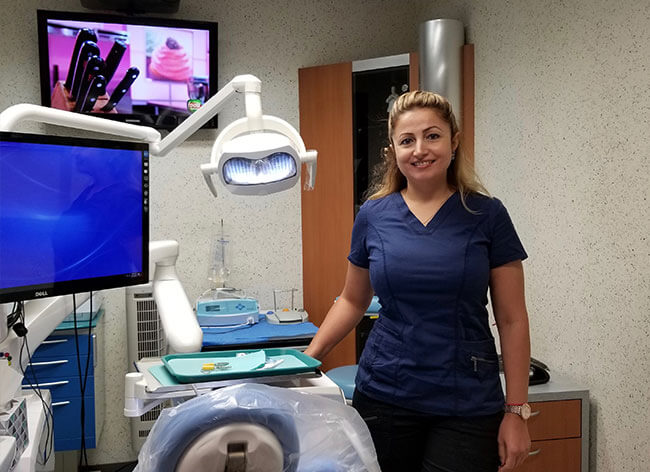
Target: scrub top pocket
[(480, 359)]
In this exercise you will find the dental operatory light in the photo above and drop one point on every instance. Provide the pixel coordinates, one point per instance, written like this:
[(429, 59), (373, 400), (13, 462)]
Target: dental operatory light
[(259, 155), (277, 167), (249, 160)]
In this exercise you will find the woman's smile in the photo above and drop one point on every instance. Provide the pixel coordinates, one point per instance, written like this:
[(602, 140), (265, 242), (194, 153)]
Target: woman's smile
[(423, 146)]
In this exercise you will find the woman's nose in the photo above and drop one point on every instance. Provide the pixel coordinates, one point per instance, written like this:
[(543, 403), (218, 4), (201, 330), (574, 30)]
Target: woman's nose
[(419, 147)]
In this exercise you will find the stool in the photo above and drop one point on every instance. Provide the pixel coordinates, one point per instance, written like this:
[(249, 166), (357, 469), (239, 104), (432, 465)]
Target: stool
[(344, 377)]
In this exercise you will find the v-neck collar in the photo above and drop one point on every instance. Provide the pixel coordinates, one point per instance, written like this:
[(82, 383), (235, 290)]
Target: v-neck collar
[(434, 222)]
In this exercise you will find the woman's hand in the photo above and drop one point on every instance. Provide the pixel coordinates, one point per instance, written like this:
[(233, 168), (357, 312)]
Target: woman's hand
[(514, 442)]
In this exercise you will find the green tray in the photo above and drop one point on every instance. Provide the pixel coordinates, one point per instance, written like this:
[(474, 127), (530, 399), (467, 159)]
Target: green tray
[(186, 368)]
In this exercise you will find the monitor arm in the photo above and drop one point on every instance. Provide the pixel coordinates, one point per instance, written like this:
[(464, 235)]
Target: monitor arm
[(174, 309)]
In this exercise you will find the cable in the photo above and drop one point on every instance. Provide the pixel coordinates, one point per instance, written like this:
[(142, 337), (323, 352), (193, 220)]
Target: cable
[(83, 379), (49, 416), (124, 467), (83, 456), (89, 348), (249, 323), (14, 316)]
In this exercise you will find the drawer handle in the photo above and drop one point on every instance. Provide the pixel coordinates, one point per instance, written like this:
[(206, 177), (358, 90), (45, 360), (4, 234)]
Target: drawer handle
[(52, 384), (55, 341), (535, 413), (61, 403), (535, 452), (64, 361)]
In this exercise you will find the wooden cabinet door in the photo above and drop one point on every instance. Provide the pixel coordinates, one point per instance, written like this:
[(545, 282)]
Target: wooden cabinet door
[(556, 432), (561, 455), (555, 420), (325, 95)]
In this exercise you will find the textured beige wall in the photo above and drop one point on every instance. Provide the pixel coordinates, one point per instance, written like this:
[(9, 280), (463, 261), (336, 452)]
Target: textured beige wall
[(563, 138), (562, 115)]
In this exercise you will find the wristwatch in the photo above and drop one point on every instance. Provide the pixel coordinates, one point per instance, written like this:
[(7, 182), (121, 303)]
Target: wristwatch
[(522, 410)]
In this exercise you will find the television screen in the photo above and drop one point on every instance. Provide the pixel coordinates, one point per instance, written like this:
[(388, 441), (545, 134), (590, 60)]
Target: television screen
[(153, 72), (74, 215)]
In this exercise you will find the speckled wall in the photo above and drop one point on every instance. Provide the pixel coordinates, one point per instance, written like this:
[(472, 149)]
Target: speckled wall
[(562, 115), (563, 138)]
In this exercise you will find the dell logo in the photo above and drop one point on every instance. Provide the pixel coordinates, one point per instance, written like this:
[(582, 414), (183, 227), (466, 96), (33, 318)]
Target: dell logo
[(41, 293)]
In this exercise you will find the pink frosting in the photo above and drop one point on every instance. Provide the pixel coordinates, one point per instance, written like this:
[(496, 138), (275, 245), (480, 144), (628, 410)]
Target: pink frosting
[(170, 64)]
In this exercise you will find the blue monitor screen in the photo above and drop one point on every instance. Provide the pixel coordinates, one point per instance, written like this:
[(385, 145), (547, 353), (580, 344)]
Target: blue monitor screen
[(73, 215)]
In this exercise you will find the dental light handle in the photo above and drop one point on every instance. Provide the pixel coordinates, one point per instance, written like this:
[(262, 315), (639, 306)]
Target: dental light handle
[(309, 159), (207, 170), (174, 309)]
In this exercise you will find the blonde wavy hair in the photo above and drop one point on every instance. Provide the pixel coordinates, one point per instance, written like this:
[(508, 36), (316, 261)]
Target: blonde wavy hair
[(387, 178)]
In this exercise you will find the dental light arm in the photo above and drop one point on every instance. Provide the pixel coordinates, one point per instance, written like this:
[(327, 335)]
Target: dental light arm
[(14, 115), (249, 85)]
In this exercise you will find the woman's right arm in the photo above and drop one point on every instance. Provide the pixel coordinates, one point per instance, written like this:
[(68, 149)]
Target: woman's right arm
[(345, 314)]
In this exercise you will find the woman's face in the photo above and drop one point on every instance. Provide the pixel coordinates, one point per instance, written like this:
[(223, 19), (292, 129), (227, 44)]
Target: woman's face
[(423, 146)]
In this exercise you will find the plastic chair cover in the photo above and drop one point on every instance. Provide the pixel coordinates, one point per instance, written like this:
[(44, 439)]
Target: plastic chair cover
[(316, 433)]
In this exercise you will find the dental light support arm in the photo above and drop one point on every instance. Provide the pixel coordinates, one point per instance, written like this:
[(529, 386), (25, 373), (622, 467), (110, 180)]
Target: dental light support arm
[(249, 85)]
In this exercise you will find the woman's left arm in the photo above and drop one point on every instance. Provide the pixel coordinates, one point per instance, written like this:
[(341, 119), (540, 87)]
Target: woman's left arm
[(509, 305)]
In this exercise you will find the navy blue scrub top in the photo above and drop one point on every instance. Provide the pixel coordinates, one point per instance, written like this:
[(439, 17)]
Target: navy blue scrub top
[(431, 349)]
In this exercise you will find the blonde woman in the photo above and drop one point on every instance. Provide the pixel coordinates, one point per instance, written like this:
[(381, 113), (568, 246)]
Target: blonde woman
[(429, 242)]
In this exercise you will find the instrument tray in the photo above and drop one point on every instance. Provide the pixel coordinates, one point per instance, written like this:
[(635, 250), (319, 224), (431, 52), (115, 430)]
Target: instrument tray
[(240, 363)]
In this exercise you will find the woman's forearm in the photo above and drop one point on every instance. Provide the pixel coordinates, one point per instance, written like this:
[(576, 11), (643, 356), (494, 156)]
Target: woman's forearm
[(342, 318), (515, 349)]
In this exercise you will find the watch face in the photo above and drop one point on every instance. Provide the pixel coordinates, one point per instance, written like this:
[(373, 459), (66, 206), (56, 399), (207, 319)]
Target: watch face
[(525, 411)]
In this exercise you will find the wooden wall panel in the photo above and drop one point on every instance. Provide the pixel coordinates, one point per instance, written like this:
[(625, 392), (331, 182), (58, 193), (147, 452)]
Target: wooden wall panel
[(414, 71), (325, 94)]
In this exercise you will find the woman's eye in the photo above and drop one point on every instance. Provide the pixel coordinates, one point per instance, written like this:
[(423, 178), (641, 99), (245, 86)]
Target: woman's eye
[(433, 136), (405, 141)]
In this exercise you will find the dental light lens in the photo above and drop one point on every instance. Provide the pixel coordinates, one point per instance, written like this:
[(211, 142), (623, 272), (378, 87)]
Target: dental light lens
[(274, 168)]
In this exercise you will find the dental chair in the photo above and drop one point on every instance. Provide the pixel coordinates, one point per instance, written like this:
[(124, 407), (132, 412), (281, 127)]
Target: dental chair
[(257, 427)]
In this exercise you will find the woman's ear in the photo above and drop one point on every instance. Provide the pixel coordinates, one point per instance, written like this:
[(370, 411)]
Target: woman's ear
[(389, 151), (455, 141)]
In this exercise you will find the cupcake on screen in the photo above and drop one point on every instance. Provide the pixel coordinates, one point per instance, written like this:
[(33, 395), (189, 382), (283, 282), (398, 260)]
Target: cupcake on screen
[(169, 61)]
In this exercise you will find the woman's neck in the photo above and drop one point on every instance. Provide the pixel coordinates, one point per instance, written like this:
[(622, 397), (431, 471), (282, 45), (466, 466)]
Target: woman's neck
[(428, 194)]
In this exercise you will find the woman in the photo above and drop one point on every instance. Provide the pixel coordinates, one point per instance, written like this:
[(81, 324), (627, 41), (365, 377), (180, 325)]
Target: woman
[(429, 242)]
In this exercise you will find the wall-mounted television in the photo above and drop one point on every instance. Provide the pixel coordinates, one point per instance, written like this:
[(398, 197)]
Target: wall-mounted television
[(147, 71), (74, 215)]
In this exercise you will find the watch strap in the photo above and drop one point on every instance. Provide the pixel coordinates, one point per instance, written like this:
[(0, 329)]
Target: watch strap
[(520, 409)]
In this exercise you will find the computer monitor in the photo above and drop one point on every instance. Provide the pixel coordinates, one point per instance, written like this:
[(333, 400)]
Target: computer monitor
[(74, 215)]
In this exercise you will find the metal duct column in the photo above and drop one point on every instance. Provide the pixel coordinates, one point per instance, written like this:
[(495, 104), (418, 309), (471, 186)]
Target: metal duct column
[(441, 60)]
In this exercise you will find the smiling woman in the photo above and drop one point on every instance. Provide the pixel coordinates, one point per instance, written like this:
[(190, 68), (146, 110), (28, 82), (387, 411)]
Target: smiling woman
[(424, 148), (430, 242), (436, 111)]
